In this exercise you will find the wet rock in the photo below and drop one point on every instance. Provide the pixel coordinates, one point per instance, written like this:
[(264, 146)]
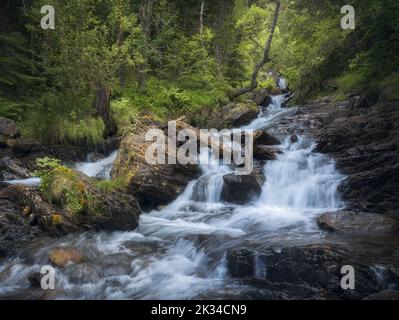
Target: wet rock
[(363, 140), (264, 153), (316, 268), (8, 128), (294, 138), (81, 273), (262, 137), (25, 214), (60, 257), (384, 295), (240, 189), (152, 185), (356, 222), (261, 97), (35, 279)]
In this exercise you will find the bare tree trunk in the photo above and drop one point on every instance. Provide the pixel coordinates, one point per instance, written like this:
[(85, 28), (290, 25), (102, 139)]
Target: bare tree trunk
[(146, 21), (265, 59), (103, 108), (202, 17)]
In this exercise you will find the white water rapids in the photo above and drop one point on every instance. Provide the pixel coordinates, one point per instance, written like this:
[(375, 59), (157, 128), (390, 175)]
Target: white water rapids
[(179, 252)]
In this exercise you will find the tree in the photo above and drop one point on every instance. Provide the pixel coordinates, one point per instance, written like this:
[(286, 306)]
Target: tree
[(265, 57)]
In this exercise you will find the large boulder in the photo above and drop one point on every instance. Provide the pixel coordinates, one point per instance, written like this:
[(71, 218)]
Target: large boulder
[(153, 185), (240, 189), (8, 128), (262, 137), (26, 213), (356, 222), (264, 153), (13, 168), (307, 272), (261, 97), (239, 114)]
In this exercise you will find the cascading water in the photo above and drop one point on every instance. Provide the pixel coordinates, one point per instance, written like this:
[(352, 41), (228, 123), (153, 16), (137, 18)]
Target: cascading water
[(98, 169), (180, 251)]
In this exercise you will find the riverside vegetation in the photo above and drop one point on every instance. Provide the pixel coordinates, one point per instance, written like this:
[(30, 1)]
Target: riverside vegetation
[(76, 102)]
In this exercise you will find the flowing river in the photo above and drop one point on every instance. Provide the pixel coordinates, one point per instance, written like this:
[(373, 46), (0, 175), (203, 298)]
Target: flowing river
[(179, 252)]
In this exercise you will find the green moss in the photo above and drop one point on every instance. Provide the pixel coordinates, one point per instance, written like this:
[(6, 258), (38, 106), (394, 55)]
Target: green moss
[(120, 184), (349, 81), (61, 185)]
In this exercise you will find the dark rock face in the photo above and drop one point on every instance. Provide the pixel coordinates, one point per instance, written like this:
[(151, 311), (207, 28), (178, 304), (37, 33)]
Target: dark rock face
[(356, 222), (363, 139), (152, 185), (262, 137), (240, 189), (384, 295), (13, 168), (15, 228), (310, 272), (264, 153)]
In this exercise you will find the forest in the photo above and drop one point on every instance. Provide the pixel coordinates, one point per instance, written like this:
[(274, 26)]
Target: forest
[(83, 81), (170, 58)]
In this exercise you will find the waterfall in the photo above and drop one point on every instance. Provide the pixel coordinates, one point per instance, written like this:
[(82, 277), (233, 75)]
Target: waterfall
[(179, 251), (98, 169)]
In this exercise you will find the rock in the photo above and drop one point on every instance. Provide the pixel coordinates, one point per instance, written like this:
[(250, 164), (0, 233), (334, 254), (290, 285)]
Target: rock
[(240, 189), (23, 146), (8, 128), (26, 214), (261, 137), (35, 279), (363, 140), (264, 153), (294, 139), (314, 268), (384, 295), (356, 222), (152, 185), (15, 228), (240, 114), (61, 257), (261, 97), (12, 169)]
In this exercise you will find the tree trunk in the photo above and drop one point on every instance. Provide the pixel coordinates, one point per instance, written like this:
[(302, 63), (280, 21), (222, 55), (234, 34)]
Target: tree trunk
[(103, 108), (146, 21), (122, 75), (202, 17), (265, 59)]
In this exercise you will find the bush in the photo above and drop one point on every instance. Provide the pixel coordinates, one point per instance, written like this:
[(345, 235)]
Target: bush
[(349, 81), (61, 185)]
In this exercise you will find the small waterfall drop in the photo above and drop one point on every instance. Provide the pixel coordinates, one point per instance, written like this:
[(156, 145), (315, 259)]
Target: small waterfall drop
[(179, 251), (100, 169)]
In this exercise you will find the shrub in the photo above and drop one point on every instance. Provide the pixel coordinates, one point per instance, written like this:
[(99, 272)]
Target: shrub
[(61, 185)]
